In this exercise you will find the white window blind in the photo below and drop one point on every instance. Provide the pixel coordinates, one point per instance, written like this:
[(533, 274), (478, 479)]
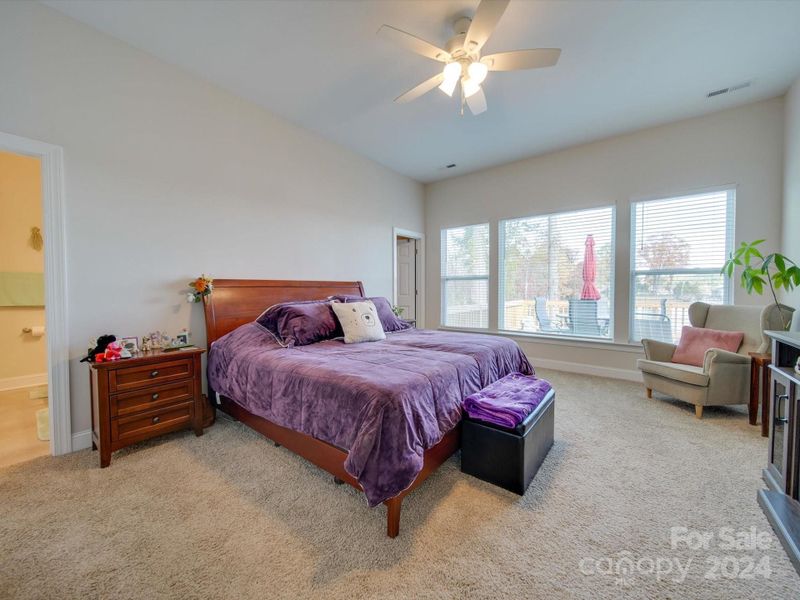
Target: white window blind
[(678, 248), (543, 285), (465, 276)]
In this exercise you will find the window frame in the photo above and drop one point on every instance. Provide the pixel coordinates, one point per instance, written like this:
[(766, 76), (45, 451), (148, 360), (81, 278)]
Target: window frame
[(610, 338), (730, 226), (445, 278)]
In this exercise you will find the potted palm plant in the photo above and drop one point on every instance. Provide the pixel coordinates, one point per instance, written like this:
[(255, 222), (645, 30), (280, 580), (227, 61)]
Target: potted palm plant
[(774, 271)]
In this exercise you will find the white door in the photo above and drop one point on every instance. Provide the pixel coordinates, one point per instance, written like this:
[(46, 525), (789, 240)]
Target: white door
[(407, 277)]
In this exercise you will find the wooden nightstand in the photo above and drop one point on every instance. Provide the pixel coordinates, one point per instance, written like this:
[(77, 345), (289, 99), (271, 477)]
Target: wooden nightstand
[(139, 398)]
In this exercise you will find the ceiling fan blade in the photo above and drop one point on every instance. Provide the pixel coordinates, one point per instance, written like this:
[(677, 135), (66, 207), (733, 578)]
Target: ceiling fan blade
[(477, 102), (486, 17), (422, 89), (413, 43), (522, 59)]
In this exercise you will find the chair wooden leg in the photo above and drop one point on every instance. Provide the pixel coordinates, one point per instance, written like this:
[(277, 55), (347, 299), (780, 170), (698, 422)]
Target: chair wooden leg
[(649, 393), (766, 391), (393, 516), (752, 408), (698, 411)]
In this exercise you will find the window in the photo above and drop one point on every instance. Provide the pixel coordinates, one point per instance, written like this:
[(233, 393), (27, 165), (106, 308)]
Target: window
[(465, 276), (678, 248), (557, 274)]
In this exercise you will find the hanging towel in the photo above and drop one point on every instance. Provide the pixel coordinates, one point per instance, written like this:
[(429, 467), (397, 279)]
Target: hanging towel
[(21, 289)]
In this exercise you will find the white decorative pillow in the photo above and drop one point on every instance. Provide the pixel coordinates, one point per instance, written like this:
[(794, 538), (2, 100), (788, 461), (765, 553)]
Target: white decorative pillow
[(359, 321)]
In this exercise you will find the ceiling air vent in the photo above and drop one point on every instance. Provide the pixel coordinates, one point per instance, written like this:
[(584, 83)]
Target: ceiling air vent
[(727, 90)]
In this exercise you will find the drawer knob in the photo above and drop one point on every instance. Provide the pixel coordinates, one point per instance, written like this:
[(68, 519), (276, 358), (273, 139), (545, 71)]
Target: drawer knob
[(154, 374), (154, 396), (156, 419)]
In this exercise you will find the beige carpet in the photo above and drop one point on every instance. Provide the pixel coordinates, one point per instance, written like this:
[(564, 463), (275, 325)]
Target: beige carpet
[(229, 515)]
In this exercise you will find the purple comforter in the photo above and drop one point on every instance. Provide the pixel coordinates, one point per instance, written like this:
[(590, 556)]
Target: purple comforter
[(385, 402)]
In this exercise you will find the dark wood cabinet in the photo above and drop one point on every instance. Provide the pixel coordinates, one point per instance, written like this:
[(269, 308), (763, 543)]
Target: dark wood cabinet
[(142, 397), (781, 501), (777, 472)]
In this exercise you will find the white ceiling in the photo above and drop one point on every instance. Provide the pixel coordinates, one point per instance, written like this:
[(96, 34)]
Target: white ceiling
[(319, 64)]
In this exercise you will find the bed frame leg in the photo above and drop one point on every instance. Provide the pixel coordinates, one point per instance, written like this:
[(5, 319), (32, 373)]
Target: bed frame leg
[(393, 516)]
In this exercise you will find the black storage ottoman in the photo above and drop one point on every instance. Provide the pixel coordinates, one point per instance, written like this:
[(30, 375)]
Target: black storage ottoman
[(508, 458)]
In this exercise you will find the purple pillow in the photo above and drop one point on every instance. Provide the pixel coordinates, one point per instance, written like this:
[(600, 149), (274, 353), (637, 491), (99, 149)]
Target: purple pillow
[(301, 323), (389, 320)]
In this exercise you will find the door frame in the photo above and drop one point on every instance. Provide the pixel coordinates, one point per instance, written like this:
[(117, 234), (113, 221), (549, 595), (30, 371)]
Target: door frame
[(419, 268), (55, 283)]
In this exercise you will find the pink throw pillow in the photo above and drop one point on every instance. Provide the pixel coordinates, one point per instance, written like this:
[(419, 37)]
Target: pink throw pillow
[(696, 340)]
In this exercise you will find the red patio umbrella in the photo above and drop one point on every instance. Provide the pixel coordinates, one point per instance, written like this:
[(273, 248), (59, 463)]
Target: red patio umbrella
[(589, 291)]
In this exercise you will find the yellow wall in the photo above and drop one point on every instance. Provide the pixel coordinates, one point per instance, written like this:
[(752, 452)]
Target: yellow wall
[(20, 209)]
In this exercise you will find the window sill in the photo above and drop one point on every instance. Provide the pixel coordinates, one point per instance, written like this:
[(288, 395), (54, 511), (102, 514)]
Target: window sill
[(561, 340)]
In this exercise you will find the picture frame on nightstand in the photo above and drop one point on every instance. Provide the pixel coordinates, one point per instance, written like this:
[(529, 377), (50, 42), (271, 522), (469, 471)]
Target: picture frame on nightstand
[(131, 344)]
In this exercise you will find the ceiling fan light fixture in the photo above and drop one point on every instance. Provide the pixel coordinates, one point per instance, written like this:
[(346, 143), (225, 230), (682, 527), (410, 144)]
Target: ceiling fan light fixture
[(477, 72), (452, 70), (449, 86), (461, 60), (470, 87), (452, 73)]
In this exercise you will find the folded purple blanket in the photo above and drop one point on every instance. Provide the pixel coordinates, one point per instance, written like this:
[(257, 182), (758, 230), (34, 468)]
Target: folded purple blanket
[(507, 401)]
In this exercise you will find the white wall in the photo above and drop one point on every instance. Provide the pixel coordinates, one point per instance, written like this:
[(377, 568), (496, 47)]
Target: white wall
[(741, 146), (791, 185), (168, 176)]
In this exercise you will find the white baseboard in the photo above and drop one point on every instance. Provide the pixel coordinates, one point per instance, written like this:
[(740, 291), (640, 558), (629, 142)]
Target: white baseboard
[(15, 383), (81, 440), (584, 369)]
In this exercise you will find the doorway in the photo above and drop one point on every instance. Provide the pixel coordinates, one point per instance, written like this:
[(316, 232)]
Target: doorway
[(24, 425), (408, 265), (22, 291)]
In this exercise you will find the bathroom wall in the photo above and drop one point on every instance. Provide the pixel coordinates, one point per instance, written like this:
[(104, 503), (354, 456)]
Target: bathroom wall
[(23, 358)]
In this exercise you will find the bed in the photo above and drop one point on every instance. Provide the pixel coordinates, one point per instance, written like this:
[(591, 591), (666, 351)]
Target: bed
[(379, 416)]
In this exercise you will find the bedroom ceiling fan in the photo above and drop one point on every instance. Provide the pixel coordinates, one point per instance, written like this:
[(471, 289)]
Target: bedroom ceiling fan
[(462, 56)]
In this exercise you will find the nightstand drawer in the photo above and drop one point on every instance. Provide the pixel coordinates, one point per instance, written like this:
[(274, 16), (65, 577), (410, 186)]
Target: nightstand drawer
[(130, 378), (145, 425), (152, 398)]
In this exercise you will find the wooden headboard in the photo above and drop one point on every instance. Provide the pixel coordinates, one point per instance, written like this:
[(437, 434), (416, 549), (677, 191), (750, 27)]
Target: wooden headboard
[(235, 302)]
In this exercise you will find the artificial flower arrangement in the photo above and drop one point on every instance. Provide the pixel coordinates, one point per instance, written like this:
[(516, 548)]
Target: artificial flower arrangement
[(201, 287)]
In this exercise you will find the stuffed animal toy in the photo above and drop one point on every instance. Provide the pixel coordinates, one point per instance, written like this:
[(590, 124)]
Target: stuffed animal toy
[(100, 347), (112, 352)]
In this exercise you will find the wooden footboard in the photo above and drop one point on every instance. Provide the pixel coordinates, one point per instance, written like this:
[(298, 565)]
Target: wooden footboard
[(331, 459)]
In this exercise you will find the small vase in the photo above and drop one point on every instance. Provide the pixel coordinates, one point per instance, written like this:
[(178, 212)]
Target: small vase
[(795, 324)]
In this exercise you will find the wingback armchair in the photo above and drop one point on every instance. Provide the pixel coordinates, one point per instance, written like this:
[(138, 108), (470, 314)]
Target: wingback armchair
[(724, 377)]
